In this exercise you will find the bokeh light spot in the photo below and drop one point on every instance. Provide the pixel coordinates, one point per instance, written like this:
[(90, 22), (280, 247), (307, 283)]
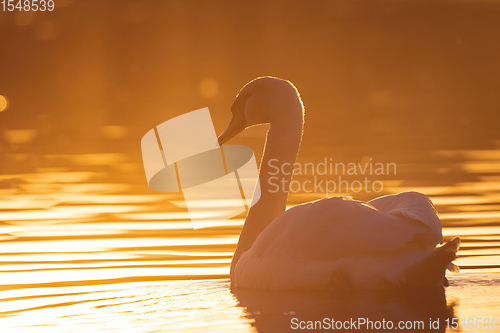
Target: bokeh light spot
[(114, 131), (25, 17), (17, 136), (209, 88), (46, 30), (3, 103), (382, 98)]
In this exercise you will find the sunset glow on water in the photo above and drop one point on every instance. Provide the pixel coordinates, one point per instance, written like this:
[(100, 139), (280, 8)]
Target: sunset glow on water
[(93, 251)]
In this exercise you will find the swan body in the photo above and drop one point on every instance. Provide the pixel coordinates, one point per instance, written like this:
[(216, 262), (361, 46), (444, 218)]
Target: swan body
[(342, 243), (334, 243)]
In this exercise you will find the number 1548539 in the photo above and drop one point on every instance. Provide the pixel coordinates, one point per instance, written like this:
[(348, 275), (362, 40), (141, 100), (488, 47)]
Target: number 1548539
[(27, 5)]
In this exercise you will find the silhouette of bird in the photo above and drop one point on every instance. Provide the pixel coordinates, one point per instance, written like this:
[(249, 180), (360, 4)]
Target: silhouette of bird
[(334, 243)]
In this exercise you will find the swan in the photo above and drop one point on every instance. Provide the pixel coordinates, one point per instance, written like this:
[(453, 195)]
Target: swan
[(334, 243)]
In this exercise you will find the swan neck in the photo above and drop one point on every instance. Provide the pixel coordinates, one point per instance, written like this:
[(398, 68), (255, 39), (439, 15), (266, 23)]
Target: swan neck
[(282, 145), (280, 152)]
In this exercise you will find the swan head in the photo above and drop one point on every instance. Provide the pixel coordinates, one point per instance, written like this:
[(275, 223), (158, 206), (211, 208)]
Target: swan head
[(264, 100)]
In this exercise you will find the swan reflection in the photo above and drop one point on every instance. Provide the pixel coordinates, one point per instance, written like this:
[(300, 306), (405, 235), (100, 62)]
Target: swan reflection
[(295, 311)]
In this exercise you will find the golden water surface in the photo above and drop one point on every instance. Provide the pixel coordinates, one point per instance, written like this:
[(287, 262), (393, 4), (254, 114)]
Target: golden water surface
[(83, 251)]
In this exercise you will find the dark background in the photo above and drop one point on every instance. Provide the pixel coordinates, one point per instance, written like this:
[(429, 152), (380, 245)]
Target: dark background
[(391, 74)]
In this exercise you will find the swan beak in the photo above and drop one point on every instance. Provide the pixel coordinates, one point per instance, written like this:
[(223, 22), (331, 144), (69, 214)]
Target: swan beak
[(236, 125)]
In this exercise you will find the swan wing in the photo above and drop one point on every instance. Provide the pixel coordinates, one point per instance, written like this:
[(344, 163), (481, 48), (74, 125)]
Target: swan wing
[(339, 227), (308, 243), (416, 207)]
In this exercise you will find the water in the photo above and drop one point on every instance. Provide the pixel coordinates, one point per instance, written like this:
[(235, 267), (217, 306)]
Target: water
[(210, 306), (84, 248)]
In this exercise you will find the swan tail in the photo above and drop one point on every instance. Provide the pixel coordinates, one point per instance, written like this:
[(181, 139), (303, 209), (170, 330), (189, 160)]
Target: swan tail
[(430, 272), (450, 250)]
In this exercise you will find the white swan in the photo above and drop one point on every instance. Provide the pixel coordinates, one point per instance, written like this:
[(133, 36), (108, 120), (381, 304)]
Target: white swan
[(338, 242)]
